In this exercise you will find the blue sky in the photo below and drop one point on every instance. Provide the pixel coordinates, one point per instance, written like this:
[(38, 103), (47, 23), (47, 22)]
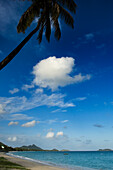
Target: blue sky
[(58, 94)]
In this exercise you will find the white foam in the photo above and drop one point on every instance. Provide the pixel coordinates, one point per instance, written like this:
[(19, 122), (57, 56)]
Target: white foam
[(49, 163), (30, 159)]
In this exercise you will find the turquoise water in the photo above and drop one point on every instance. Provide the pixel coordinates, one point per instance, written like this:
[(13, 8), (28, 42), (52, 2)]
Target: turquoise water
[(79, 160)]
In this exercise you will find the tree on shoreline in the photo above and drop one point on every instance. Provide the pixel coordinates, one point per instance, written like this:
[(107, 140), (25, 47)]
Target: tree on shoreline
[(48, 13)]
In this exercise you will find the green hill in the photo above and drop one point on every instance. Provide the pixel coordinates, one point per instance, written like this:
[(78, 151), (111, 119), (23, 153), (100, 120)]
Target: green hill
[(5, 148)]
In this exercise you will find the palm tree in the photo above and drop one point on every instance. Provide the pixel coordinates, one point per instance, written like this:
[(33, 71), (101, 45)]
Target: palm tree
[(48, 13)]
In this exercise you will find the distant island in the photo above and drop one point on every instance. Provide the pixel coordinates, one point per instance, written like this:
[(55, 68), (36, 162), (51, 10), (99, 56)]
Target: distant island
[(5, 148), (63, 150), (28, 148), (105, 150)]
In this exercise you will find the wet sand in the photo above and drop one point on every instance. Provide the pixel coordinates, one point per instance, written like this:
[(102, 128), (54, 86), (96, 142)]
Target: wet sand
[(30, 164)]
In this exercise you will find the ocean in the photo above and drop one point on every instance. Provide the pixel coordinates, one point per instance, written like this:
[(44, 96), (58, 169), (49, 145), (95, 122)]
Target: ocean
[(83, 160)]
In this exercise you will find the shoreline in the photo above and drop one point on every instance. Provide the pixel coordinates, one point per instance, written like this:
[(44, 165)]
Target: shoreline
[(29, 164)]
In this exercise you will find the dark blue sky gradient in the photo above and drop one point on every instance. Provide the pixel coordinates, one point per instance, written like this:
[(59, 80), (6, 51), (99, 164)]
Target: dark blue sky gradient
[(90, 43)]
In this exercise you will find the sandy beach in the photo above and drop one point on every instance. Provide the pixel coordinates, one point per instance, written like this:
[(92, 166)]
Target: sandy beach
[(29, 164)]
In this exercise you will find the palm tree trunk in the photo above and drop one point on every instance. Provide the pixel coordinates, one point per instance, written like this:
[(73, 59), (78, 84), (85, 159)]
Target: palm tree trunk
[(5, 61)]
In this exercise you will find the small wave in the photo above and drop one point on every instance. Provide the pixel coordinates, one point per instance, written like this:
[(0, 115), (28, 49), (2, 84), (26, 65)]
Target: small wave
[(30, 159), (50, 163)]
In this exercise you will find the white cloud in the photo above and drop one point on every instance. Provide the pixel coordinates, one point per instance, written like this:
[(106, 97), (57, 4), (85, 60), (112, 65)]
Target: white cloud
[(2, 109), (15, 90), (19, 117), (52, 72), (55, 72), (64, 121), (50, 135), (39, 91), (26, 87), (52, 121), (64, 110), (12, 139), (29, 124), (48, 121), (81, 98), (18, 104), (12, 123), (59, 134), (59, 110)]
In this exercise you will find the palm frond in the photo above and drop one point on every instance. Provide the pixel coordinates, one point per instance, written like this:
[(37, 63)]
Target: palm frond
[(57, 29), (69, 4), (66, 16), (48, 22), (48, 29), (27, 18), (41, 25), (39, 38), (55, 11)]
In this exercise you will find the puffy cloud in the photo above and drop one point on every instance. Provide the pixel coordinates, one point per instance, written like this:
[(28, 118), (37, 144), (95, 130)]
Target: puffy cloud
[(12, 123), (15, 90), (50, 135), (29, 124), (12, 139), (59, 134), (55, 72)]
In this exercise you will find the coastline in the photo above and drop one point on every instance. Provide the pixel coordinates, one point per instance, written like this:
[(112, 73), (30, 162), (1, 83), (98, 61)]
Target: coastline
[(31, 165)]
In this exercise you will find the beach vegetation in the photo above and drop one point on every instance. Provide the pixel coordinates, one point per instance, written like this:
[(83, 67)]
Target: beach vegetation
[(5, 148), (5, 164)]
